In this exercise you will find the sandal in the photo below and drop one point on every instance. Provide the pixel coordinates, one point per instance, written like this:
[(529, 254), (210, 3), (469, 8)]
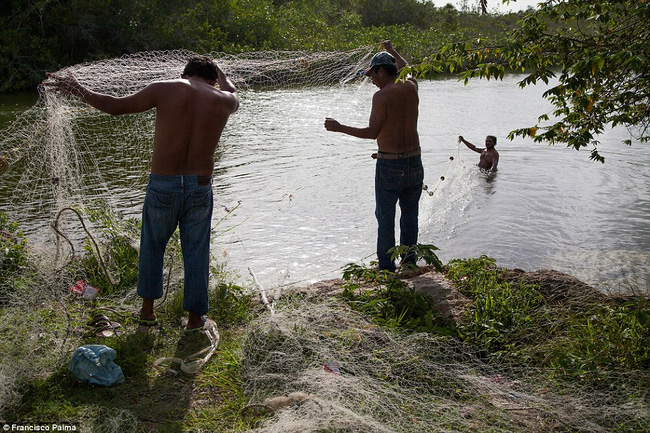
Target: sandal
[(103, 326), (204, 319), (144, 322)]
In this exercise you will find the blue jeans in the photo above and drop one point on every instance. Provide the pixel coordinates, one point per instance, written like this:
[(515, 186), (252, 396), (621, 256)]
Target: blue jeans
[(397, 180), (184, 201)]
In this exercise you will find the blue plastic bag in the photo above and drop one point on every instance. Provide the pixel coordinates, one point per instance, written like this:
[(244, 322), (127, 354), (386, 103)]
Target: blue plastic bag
[(94, 363)]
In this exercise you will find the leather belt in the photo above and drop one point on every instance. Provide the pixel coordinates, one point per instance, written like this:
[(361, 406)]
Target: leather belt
[(387, 155)]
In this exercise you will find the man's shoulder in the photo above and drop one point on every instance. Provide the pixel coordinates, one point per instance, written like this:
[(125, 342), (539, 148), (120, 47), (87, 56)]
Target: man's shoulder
[(166, 85), (171, 82), (407, 85)]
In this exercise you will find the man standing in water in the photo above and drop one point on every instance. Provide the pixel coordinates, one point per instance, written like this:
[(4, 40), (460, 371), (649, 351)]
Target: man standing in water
[(399, 174), (489, 156), (191, 114)]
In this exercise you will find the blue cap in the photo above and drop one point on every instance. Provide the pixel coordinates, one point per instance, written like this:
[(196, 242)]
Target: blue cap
[(380, 59)]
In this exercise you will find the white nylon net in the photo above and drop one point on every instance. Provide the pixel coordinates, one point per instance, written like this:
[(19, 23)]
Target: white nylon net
[(53, 155), (322, 367), (316, 365)]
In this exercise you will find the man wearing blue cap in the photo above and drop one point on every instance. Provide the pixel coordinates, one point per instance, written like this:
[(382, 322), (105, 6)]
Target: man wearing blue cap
[(399, 174)]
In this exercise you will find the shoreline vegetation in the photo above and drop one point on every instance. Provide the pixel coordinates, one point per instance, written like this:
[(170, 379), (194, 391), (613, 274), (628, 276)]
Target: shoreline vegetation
[(463, 346), (71, 32)]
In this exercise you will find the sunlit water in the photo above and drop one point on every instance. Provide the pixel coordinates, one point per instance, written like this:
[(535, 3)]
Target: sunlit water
[(303, 197)]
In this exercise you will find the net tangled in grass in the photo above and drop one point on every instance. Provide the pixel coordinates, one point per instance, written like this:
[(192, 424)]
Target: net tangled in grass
[(320, 366), (55, 154), (59, 155), (315, 364)]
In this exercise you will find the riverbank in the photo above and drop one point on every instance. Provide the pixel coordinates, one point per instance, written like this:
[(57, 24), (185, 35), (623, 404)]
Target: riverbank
[(345, 355)]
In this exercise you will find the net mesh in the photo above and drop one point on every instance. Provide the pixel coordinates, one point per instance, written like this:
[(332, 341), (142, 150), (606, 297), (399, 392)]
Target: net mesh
[(320, 366), (314, 364), (52, 156)]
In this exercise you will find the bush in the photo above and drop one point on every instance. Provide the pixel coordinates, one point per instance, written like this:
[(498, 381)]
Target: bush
[(577, 337), (13, 258)]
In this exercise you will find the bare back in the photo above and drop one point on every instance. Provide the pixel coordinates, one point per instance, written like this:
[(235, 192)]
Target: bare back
[(397, 105), (191, 115)]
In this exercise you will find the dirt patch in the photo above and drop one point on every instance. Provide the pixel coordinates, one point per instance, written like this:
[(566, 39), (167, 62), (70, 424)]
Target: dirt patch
[(448, 301), (556, 286)]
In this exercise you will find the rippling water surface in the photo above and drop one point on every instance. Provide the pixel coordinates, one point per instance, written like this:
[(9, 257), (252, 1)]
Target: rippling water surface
[(307, 204), (303, 197)]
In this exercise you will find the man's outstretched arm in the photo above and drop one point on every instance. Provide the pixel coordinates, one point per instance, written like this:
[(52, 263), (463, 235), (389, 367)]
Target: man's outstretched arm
[(469, 145), (375, 123), (138, 102)]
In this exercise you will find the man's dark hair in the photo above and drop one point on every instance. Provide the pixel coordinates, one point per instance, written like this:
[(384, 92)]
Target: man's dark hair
[(202, 67), (493, 138), (391, 70)]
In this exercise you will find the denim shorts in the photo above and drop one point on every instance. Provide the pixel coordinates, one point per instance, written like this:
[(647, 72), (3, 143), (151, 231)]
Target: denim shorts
[(186, 202)]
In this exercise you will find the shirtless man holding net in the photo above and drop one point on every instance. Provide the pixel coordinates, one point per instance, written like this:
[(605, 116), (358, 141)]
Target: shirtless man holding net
[(399, 174), (489, 158), (191, 113)]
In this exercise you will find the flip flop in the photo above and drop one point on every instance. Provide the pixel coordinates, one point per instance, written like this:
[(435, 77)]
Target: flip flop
[(103, 326), (107, 331), (198, 329), (144, 322)]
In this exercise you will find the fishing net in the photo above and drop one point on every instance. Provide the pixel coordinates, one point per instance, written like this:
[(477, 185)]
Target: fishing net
[(318, 366), (58, 159), (312, 364), (54, 155)]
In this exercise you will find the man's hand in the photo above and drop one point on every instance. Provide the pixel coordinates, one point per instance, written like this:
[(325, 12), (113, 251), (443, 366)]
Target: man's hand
[(67, 85), (399, 60), (332, 125)]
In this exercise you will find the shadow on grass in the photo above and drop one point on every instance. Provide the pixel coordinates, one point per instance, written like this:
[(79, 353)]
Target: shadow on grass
[(149, 400)]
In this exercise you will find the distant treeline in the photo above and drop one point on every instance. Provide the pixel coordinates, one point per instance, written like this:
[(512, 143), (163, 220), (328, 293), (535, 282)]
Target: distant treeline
[(45, 35)]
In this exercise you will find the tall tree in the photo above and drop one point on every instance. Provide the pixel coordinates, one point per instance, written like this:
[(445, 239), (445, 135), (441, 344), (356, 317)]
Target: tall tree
[(599, 52)]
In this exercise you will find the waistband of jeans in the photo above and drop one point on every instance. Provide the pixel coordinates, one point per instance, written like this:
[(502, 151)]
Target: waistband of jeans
[(200, 180), (403, 155)]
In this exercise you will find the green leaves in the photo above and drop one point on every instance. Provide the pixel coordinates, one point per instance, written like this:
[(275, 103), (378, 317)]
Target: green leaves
[(13, 253), (601, 50), (387, 299), (532, 323)]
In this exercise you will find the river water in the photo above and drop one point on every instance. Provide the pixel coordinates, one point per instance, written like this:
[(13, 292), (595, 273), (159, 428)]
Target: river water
[(302, 198)]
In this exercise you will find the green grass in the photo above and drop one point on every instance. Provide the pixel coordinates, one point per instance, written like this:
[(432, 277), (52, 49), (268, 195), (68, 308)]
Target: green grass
[(516, 321), (158, 399), (520, 321), (576, 341)]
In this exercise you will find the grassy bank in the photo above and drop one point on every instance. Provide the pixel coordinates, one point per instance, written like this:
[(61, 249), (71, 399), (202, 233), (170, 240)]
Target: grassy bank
[(373, 356)]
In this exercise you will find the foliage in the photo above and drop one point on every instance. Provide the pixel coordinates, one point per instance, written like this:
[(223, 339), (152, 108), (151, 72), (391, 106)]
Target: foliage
[(424, 252), (14, 264), (230, 304), (44, 35), (598, 50), (112, 264), (383, 296), (501, 321), (608, 335), (13, 252), (519, 322)]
